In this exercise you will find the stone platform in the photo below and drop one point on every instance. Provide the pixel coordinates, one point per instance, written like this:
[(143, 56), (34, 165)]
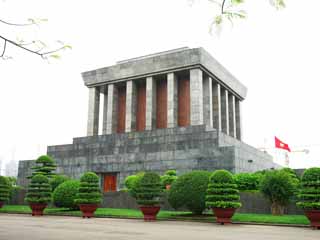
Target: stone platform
[(183, 149)]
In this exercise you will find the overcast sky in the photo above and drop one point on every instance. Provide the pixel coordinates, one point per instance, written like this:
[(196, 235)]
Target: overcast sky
[(274, 53)]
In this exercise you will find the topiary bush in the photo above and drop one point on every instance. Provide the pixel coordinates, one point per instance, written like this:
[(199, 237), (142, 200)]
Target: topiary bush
[(278, 187), (248, 181), (39, 190), (294, 178), (56, 180), (132, 182), (4, 189), (65, 194), (222, 191), (149, 190), (168, 178), (189, 191), (89, 190), (309, 197), (45, 165)]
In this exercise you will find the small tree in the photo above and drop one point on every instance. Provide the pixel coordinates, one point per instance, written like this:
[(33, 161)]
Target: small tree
[(278, 187), (56, 180), (248, 181), (89, 191), (222, 191), (39, 190), (65, 194), (168, 178), (310, 193), (132, 182), (45, 165), (189, 191), (149, 190), (4, 190)]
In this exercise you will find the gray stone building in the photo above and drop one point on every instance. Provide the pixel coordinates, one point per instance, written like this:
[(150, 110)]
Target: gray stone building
[(178, 109)]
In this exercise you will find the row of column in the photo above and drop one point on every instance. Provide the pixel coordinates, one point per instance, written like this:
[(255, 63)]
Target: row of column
[(210, 104)]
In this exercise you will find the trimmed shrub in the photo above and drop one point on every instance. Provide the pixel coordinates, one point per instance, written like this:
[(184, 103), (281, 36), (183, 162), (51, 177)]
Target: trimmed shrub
[(189, 191), (45, 165), (309, 197), (89, 190), (222, 191), (247, 181), (132, 183), (149, 190), (39, 190), (278, 187), (168, 178), (65, 194), (294, 177), (4, 189), (56, 180)]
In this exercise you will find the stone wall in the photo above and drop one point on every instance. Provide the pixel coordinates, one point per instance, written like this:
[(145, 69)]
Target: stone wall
[(183, 148), (251, 202)]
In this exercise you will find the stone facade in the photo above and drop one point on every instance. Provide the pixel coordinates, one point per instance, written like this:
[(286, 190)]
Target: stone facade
[(191, 109)]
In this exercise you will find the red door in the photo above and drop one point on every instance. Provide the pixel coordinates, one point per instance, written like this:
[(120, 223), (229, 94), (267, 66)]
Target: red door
[(110, 183)]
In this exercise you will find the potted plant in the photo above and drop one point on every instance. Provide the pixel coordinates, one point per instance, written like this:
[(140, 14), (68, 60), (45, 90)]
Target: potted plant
[(148, 195), (310, 196), (89, 195), (222, 196), (39, 194), (168, 178), (4, 190)]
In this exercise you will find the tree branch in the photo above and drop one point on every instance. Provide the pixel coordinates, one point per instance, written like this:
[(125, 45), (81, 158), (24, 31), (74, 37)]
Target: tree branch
[(16, 24), (4, 48), (222, 6), (43, 54)]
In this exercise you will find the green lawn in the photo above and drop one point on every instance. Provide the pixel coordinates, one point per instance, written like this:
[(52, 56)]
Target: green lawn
[(132, 213)]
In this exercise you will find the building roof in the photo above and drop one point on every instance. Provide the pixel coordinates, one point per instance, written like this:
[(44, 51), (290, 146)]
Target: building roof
[(163, 62)]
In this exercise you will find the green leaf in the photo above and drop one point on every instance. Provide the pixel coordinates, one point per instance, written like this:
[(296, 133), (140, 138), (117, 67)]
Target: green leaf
[(237, 1), (67, 47), (56, 56), (218, 20)]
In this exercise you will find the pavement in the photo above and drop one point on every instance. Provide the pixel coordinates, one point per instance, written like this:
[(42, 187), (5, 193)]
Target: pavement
[(25, 227)]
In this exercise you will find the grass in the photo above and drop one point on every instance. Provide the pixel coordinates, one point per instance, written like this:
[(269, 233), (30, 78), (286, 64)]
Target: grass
[(133, 213)]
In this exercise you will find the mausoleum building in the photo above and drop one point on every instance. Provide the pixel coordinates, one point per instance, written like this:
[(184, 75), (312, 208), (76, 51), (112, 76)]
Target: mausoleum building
[(178, 109)]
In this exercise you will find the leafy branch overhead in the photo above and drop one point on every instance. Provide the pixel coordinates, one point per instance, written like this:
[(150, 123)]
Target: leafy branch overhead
[(34, 46), (231, 9)]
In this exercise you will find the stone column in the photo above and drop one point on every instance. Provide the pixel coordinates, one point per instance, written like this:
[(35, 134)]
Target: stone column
[(105, 109), (196, 97), (112, 109), (224, 111), (216, 98), (238, 120), (172, 98), (150, 103), (232, 115), (207, 101), (93, 111), (131, 104)]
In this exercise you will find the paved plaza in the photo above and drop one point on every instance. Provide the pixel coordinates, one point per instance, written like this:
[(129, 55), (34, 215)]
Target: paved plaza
[(24, 227)]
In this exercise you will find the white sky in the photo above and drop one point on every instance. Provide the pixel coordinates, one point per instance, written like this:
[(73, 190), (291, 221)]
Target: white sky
[(274, 53)]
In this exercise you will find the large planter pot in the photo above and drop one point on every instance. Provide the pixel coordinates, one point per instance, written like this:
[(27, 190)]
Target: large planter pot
[(1, 204), (150, 212), (37, 208), (314, 217), (224, 215), (88, 210)]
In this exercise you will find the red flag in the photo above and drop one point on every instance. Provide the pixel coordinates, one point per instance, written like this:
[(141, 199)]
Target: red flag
[(280, 144)]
